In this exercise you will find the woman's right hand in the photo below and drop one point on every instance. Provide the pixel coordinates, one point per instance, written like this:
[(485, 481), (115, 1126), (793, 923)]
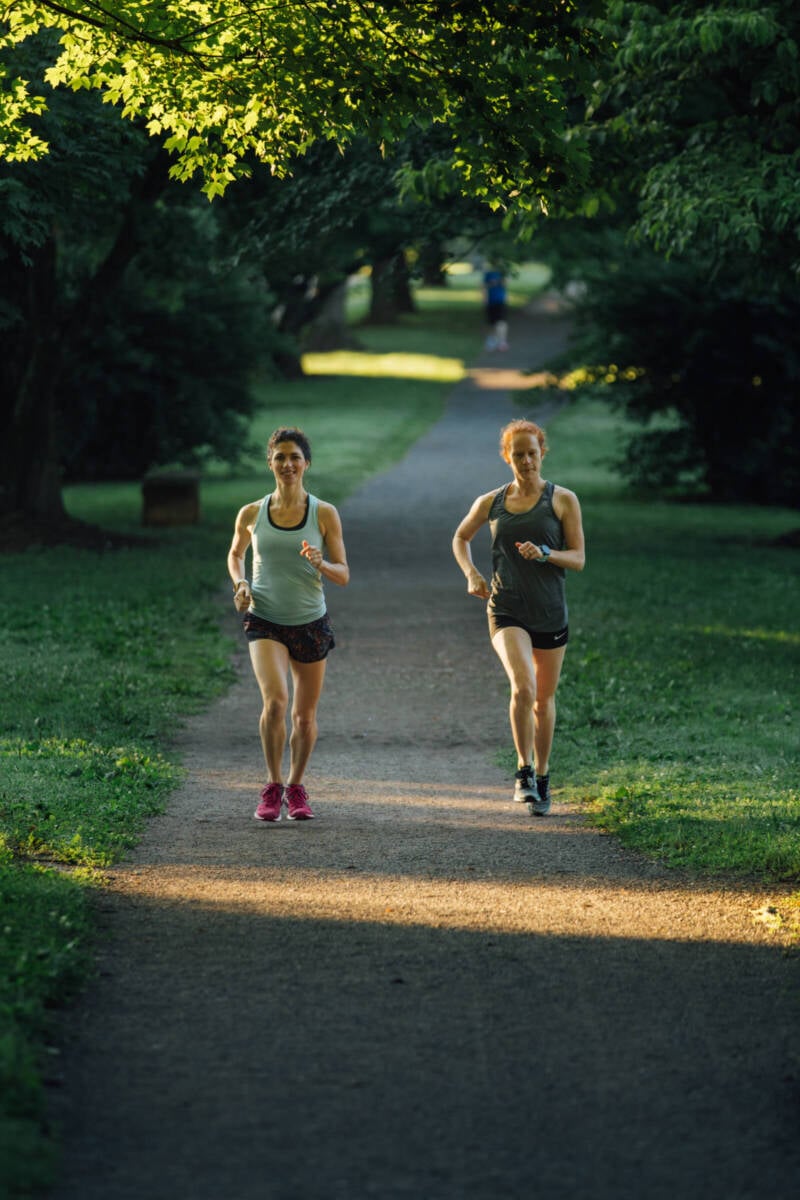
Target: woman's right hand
[(477, 585), (242, 597)]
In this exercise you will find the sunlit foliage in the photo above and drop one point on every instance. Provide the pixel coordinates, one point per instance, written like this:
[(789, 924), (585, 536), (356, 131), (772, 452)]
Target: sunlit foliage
[(222, 81)]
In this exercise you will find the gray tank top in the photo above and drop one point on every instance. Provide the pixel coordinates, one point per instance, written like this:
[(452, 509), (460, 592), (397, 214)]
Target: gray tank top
[(532, 593), (286, 589)]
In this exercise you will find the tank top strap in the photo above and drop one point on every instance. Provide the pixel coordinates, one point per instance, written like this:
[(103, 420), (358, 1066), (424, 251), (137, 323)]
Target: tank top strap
[(498, 501)]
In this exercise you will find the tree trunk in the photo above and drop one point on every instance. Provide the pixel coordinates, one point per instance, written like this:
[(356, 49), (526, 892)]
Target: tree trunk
[(431, 262), (390, 291), (316, 310), (329, 329), (403, 296), (30, 482)]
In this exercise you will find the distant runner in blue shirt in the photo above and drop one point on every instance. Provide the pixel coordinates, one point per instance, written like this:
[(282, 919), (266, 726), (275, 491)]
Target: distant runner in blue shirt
[(495, 286)]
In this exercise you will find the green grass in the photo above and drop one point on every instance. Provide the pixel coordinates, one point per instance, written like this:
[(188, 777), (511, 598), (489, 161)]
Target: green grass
[(101, 655), (677, 723), (44, 956)]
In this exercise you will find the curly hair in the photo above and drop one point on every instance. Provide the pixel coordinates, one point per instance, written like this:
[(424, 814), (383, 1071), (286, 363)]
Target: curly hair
[(289, 434), (520, 426)]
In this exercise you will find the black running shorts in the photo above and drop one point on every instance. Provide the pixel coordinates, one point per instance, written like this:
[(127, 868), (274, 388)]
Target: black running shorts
[(539, 641)]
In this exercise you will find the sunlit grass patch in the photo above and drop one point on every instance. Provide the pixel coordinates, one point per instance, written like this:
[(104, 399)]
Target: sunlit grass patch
[(73, 801), (712, 817), (377, 366)]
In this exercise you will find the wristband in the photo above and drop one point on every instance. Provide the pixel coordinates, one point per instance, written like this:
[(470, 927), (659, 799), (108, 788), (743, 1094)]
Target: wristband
[(236, 586), (545, 554)]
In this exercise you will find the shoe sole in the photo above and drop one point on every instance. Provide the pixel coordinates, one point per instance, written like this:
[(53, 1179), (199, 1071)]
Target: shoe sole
[(300, 817), (524, 797), (537, 809), (267, 820)]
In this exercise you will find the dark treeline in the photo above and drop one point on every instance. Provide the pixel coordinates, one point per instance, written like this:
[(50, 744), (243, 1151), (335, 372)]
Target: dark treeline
[(134, 314)]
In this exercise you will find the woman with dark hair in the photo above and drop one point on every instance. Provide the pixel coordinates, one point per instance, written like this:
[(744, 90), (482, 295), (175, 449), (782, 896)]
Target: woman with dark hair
[(297, 542), (537, 535)]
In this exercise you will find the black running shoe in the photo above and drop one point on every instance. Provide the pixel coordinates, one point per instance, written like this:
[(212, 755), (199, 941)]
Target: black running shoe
[(539, 805), (524, 786)]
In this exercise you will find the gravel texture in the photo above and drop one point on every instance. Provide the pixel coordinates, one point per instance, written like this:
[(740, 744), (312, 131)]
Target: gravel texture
[(424, 992)]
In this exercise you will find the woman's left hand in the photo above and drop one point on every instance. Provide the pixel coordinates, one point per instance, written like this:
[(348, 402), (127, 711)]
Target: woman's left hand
[(312, 554), (529, 550)]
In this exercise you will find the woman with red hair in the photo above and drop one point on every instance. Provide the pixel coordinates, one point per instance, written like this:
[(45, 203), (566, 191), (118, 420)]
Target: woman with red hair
[(537, 536)]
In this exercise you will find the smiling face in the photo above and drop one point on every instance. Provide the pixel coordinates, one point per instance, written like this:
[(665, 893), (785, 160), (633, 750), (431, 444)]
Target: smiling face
[(288, 463)]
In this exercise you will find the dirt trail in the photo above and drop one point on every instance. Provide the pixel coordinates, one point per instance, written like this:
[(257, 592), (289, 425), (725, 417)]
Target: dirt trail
[(424, 993)]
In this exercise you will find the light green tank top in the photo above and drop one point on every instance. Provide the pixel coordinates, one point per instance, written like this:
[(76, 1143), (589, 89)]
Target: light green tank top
[(286, 589)]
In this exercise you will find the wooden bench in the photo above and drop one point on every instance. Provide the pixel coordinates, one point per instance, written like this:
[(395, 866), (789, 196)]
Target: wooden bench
[(171, 498)]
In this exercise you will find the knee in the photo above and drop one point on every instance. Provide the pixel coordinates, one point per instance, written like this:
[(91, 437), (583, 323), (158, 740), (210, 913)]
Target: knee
[(275, 707), (544, 702), (524, 694), (304, 721)]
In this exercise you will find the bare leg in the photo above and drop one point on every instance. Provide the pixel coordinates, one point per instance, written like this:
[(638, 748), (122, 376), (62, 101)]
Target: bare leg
[(308, 680), (547, 665), (271, 667), (513, 648)]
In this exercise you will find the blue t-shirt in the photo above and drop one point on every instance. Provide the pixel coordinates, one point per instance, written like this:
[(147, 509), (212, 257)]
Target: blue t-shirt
[(495, 287)]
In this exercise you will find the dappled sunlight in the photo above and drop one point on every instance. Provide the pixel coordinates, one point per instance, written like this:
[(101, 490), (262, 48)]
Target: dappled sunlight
[(566, 905), (457, 857), (510, 379), (428, 367), (411, 803)]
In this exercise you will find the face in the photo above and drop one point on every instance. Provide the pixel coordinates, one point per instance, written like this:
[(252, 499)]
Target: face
[(287, 462), (524, 455)]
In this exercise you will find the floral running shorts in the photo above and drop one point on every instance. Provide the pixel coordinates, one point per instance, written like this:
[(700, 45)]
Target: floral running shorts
[(305, 643)]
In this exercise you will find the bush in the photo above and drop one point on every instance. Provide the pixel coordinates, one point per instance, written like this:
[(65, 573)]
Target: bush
[(722, 366)]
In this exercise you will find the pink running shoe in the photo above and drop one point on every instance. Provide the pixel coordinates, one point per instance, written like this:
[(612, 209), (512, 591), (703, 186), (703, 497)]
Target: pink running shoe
[(269, 808), (297, 800)]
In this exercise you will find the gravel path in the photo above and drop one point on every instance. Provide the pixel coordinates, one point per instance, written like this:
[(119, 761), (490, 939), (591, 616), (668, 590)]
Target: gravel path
[(424, 993)]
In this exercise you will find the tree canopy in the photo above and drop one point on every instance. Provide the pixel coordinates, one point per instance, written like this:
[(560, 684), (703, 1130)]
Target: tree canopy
[(699, 119), (673, 120), (223, 82)]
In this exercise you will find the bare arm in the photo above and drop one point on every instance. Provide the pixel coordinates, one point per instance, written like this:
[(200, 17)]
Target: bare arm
[(573, 556), (242, 536), (477, 516), (335, 566)]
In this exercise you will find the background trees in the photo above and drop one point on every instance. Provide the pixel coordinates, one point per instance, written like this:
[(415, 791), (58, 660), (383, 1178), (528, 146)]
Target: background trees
[(126, 337), (701, 111), (226, 87), (692, 266), (665, 125)]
